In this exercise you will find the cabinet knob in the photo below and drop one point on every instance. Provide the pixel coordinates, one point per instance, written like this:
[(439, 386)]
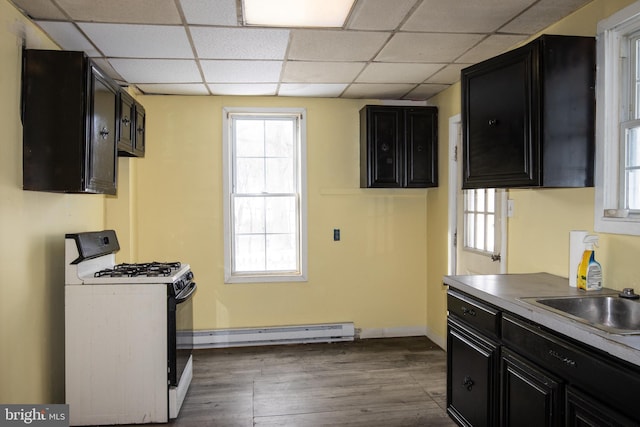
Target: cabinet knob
[(104, 133), (140, 130), (384, 147), (470, 311), (126, 120), (468, 383), (493, 122)]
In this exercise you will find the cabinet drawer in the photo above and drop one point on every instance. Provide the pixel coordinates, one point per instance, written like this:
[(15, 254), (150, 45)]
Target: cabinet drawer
[(614, 383), (476, 314)]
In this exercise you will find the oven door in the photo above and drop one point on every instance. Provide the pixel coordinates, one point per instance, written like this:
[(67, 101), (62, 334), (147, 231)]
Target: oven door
[(180, 337)]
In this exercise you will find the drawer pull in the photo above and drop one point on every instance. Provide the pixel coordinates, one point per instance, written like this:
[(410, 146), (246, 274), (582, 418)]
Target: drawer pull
[(563, 359), (468, 383), (469, 311)]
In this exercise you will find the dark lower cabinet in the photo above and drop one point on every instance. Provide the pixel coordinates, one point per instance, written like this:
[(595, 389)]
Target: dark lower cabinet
[(530, 397), (503, 370), (471, 378), (583, 411)]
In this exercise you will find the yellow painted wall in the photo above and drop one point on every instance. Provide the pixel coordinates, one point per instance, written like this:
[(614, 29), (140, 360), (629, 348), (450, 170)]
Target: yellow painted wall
[(32, 228), (538, 233), (375, 276)]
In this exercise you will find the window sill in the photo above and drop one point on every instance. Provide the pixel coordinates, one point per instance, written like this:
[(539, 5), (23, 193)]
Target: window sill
[(266, 279), (629, 226)]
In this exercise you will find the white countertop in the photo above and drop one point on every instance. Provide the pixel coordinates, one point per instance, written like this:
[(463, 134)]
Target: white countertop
[(505, 290)]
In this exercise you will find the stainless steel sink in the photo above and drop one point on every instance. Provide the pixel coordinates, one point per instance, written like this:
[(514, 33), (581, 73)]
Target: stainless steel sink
[(609, 313)]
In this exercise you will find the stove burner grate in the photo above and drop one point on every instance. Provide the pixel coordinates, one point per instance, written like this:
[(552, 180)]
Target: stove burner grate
[(149, 269)]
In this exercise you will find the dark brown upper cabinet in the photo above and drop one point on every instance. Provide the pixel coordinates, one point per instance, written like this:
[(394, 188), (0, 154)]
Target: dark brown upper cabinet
[(528, 116), (131, 123), (69, 110), (398, 147)]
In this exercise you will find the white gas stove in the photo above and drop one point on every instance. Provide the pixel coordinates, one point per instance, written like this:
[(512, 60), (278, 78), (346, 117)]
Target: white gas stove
[(123, 362)]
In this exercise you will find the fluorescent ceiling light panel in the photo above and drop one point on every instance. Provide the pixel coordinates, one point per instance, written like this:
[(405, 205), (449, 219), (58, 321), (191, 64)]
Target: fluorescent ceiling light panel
[(296, 13)]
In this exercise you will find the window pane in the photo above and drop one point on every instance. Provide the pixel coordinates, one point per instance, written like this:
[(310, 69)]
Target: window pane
[(633, 147), (490, 233), (633, 183), (249, 253), (281, 252), (469, 230), (470, 199), (491, 200), (631, 190), (479, 244), (480, 200), (279, 138), (249, 136), (250, 176), (279, 175), (249, 214), (635, 76), (280, 215)]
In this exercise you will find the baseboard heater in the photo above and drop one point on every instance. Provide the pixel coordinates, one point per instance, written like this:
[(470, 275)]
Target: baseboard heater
[(242, 337)]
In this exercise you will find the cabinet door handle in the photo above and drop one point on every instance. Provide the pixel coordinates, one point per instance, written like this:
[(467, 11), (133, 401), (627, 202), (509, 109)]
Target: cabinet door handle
[(564, 359), (468, 383), (104, 133), (469, 311), (493, 122)]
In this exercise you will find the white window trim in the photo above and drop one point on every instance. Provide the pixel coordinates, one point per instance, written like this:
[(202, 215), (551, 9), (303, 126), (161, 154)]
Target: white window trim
[(226, 188), (611, 32)]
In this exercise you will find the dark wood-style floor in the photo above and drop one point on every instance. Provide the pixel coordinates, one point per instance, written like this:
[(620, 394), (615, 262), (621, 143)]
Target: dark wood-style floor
[(375, 382)]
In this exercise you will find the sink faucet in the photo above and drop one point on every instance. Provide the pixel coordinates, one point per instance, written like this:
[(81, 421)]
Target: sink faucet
[(628, 293)]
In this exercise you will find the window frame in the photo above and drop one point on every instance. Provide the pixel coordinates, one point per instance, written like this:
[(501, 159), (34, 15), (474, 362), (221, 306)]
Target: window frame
[(227, 156), (611, 103), (474, 213)]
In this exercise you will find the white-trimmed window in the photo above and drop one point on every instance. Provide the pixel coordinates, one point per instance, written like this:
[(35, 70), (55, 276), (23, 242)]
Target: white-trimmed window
[(617, 201), (264, 194), (479, 219)]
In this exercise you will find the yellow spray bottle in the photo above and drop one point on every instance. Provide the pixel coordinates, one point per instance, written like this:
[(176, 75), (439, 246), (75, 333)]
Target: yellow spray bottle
[(589, 271)]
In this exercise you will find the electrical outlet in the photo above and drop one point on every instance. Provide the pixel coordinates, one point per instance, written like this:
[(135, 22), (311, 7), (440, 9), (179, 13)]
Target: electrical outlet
[(336, 234)]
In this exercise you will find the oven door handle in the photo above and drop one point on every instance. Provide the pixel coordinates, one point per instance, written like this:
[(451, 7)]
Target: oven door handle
[(186, 293)]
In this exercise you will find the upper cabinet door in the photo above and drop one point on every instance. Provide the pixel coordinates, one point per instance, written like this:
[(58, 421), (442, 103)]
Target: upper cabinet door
[(101, 171), (140, 124), (381, 144), (528, 114), (421, 146), (499, 144), (126, 124)]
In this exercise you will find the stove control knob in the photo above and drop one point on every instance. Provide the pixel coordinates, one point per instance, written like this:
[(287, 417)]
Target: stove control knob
[(189, 275)]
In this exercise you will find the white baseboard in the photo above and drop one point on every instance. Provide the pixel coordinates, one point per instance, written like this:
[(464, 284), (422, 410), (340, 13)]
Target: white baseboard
[(402, 331), (298, 334)]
